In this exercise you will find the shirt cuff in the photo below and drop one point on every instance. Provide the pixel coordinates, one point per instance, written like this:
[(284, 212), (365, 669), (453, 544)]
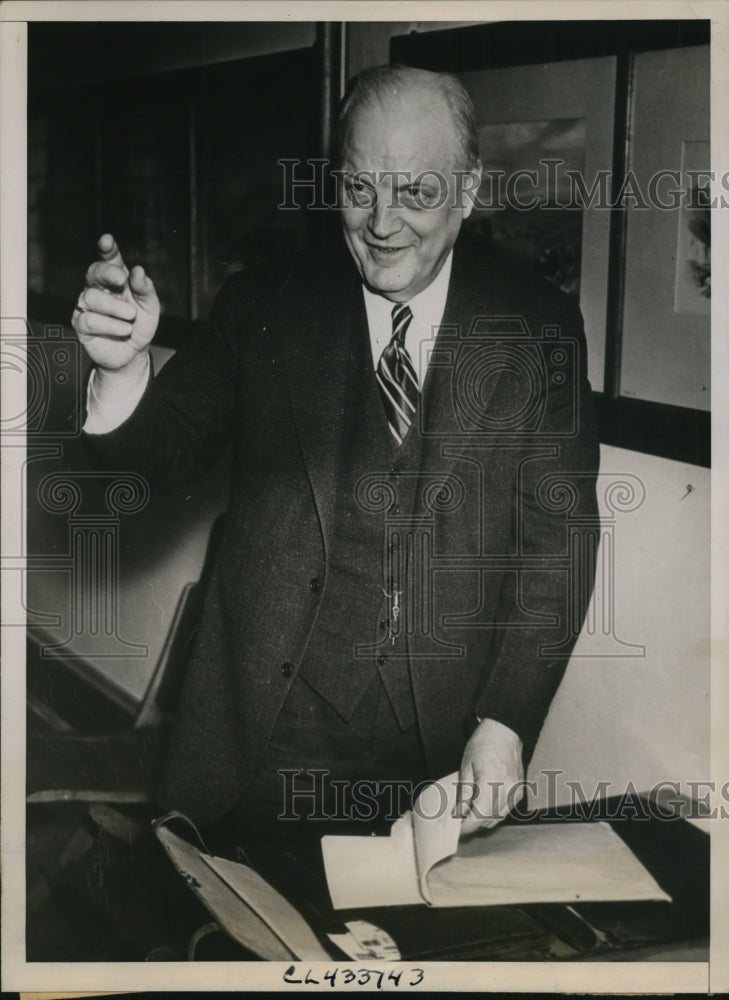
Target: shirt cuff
[(500, 729), (114, 399)]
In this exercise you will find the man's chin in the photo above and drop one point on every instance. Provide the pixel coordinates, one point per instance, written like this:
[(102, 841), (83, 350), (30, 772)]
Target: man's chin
[(387, 282)]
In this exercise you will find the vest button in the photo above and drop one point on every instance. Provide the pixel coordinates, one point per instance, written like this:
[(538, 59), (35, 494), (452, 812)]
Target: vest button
[(314, 584), (385, 624), (286, 669), (382, 659)]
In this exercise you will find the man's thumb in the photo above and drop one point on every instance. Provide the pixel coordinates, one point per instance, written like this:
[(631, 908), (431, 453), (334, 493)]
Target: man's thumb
[(143, 289)]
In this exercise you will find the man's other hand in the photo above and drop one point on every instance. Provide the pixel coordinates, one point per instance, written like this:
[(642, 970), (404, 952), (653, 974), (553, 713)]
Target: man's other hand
[(491, 776), (117, 312)]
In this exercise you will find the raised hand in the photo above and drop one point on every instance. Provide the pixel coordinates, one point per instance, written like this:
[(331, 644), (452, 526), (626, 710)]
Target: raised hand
[(117, 312)]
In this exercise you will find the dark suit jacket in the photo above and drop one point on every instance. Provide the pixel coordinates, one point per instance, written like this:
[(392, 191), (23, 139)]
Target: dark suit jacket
[(508, 426)]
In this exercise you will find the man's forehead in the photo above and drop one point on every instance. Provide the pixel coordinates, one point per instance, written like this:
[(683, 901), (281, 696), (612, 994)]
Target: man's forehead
[(406, 105), (414, 129)]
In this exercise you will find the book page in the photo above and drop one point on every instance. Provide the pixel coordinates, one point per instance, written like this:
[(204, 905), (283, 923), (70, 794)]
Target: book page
[(372, 871), (285, 921), (435, 829), (232, 914), (542, 863), (423, 860), (392, 871)]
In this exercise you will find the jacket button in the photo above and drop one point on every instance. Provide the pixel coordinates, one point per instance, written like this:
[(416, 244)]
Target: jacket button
[(382, 659), (314, 584), (286, 669)]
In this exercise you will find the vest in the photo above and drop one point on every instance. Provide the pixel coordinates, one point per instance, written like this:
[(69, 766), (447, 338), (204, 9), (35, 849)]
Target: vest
[(356, 634)]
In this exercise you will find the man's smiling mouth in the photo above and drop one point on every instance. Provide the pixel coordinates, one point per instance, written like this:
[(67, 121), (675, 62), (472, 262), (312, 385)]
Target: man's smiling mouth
[(388, 251)]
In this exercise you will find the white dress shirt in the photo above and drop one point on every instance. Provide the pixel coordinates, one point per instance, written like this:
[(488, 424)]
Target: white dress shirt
[(427, 308), (109, 402)]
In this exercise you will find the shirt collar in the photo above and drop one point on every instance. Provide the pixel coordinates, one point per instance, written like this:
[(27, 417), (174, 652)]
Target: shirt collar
[(427, 305)]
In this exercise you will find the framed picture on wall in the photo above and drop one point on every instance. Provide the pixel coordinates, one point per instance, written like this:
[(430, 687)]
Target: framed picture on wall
[(579, 122), (545, 131), (666, 329)]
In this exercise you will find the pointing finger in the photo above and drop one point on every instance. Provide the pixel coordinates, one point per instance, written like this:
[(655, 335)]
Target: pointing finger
[(109, 251)]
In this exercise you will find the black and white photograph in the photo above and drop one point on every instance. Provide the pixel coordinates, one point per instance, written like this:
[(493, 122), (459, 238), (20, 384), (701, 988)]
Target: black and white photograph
[(363, 624)]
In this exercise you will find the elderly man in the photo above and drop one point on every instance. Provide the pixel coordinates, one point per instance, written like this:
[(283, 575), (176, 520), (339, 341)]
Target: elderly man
[(392, 599)]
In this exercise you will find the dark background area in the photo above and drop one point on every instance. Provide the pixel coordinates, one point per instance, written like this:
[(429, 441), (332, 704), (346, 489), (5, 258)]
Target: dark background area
[(180, 165)]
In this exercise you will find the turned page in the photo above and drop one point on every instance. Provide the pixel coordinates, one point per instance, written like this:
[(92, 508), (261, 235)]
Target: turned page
[(425, 860), (392, 871)]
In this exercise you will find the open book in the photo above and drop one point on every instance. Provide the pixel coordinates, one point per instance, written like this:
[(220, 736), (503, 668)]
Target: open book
[(255, 914), (423, 861), (244, 905)]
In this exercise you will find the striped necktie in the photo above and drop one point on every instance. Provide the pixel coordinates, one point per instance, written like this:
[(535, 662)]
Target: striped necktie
[(396, 377)]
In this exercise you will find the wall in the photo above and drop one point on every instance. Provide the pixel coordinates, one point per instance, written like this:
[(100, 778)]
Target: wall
[(368, 42), (643, 719), (151, 47)]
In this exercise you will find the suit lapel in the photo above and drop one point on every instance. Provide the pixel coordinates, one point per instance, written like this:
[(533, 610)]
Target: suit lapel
[(323, 343), (321, 347), (470, 295)]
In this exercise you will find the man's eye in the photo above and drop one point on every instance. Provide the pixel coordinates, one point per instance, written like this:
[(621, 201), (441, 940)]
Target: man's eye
[(418, 196), (359, 193)]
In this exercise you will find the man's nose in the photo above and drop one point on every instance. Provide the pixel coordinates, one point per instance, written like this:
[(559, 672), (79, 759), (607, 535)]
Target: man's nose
[(384, 219)]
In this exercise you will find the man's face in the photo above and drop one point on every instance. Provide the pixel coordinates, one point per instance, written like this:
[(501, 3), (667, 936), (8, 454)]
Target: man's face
[(403, 206)]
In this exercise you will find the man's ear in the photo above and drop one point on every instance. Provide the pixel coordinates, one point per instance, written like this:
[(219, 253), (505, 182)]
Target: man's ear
[(470, 186)]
